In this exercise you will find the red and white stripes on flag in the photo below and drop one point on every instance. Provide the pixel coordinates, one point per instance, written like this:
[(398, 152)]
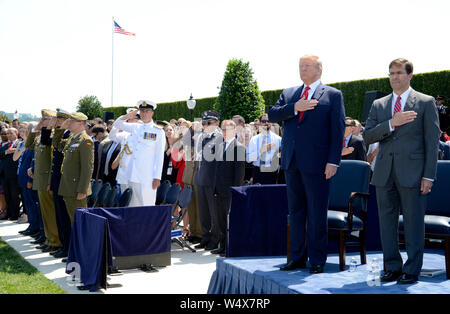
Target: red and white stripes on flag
[(120, 30)]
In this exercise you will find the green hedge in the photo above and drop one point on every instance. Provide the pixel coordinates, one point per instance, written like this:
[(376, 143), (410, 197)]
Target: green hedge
[(432, 83)]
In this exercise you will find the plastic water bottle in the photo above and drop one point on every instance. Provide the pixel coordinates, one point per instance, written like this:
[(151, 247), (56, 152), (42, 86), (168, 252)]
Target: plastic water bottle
[(375, 268), (353, 264)]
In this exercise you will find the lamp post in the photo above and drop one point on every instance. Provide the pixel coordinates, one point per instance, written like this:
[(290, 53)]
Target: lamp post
[(191, 104)]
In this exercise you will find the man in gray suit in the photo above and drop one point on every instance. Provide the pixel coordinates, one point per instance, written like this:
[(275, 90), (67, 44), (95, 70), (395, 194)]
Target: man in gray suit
[(406, 124)]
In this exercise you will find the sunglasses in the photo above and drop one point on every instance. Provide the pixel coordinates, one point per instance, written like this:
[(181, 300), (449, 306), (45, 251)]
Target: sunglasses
[(210, 122)]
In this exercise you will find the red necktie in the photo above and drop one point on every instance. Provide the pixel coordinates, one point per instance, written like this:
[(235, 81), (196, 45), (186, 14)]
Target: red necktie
[(344, 142), (9, 145), (304, 96), (397, 107)]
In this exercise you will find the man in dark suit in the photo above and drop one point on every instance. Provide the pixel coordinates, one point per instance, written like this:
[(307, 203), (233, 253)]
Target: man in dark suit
[(110, 151), (314, 121), (406, 125), (204, 178), (230, 172), (444, 113), (353, 147), (9, 174)]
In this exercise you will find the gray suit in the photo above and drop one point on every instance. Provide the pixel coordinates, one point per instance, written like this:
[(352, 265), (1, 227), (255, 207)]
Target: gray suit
[(406, 155)]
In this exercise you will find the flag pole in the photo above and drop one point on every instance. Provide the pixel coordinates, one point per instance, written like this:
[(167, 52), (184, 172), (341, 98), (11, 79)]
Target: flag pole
[(112, 64)]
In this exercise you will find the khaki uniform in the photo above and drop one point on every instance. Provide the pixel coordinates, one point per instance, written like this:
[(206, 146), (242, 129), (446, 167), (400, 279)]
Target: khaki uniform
[(76, 170), (42, 171)]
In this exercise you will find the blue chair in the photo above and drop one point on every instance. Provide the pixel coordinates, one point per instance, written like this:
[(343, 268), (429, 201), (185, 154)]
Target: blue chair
[(347, 208), (111, 197), (181, 208), (103, 194), (125, 198), (172, 195), (95, 188), (437, 214), (161, 192)]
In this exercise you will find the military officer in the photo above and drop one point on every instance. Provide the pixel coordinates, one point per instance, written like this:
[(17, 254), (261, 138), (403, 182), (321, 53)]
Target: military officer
[(78, 163), (42, 167), (147, 143), (62, 216)]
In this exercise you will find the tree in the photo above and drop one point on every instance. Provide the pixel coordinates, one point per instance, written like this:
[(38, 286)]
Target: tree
[(239, 93), (90, 106)]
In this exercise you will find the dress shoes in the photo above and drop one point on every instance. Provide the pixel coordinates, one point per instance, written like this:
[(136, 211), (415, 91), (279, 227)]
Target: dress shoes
[(390, 275), (64, 260), (50, 249), (406, 279), (218, 251), (61, 254), (194, 239), (211, 246), (35, 234), (42, 246), (293, 265), (24, 231), (57, 251), (316, 269), (39, 240), (201, 245)]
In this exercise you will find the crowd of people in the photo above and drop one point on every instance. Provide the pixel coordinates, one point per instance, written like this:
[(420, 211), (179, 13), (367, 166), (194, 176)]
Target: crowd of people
[(46, 167)]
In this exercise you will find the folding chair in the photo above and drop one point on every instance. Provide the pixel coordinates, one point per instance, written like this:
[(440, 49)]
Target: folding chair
[(181, 207), (111, 197), (125, 198), (162, 191), (102, 195), (95, 187)]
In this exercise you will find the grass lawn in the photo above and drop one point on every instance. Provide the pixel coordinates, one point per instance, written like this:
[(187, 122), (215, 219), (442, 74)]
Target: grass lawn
[(19, 276)]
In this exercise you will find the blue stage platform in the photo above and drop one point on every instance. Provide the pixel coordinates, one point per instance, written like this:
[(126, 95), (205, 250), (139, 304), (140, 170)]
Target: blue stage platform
[(261, 275)]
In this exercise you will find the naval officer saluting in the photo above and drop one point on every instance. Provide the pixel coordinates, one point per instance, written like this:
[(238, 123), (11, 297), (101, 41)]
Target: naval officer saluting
[(147, 148)]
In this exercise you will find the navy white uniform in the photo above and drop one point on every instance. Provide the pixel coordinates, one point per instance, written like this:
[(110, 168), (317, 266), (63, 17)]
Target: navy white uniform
[(146, 142)]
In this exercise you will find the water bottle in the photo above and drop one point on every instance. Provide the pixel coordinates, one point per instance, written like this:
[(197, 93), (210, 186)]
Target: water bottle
[(353, 264), (375, 268)]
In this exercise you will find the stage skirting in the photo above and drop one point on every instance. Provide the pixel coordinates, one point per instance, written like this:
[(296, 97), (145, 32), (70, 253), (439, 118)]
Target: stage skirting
[(124, 237), (257, 222), (261, 275)]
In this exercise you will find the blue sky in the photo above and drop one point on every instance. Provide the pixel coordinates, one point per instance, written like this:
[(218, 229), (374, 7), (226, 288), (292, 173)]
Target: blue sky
[(53, 52)]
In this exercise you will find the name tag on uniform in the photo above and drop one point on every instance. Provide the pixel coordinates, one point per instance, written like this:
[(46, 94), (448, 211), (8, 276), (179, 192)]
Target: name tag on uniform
[(74, 146), (149, 136)]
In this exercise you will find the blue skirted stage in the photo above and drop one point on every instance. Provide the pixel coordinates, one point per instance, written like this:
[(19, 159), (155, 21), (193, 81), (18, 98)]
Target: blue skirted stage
[(261, 275)]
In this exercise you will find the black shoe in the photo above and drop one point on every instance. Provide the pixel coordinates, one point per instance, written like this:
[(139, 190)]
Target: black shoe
[(13, 218), (406, 279), (390, 275), (42, 246), (50, 249), (211, 246), (57, 251), (24, 232), (293, 265), (35, 234), (61, 253), (202, 245), (218, 251), (64, 260), (316, 269), (194, 239), (222, 254), (39, 240)]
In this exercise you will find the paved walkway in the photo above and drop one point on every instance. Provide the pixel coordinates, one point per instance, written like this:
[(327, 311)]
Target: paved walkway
[(189, 272)]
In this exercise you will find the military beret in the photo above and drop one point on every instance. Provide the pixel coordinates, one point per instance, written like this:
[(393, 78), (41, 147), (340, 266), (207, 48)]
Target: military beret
[(146, 104), (48, 113), (210, 115), (61, 113), (78, 116), (440, 97)]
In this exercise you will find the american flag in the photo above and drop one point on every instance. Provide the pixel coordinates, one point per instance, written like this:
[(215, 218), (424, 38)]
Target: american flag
[(120, 30)]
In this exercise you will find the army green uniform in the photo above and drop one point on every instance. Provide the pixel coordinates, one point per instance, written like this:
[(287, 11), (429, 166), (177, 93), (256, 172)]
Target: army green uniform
[(42, 171), (76, 170)]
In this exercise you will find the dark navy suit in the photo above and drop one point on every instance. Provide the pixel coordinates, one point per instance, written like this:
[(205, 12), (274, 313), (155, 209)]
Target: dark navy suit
[(306, 147)]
